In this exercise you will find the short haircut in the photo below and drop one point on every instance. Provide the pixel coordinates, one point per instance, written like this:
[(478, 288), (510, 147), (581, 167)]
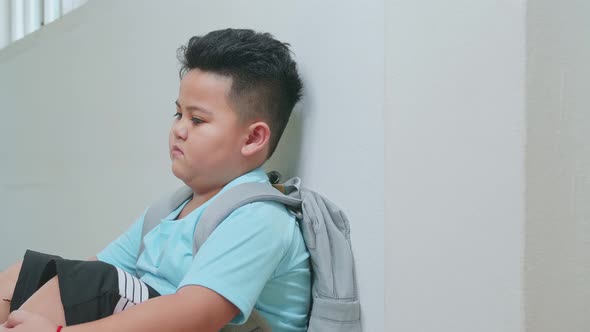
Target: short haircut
[(265, 82)]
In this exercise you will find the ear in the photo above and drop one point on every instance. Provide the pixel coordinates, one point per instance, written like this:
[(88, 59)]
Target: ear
[(257, 140)]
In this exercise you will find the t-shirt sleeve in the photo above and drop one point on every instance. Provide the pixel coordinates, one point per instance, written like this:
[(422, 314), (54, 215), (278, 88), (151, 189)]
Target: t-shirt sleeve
[(240, 256), (123, 251)]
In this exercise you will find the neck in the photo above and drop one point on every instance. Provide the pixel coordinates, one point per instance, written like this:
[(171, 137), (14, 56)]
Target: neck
[(199, 198), (203, 194)]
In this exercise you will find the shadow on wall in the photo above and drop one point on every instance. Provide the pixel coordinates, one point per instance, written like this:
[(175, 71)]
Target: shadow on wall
[(287, 157)]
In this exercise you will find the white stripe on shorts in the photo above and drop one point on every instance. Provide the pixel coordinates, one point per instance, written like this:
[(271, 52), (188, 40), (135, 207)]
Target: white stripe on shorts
[(132, 291), (120, 305)]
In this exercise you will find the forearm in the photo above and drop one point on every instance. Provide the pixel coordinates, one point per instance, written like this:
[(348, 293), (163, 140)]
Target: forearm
[(174, 313), (154, 315)]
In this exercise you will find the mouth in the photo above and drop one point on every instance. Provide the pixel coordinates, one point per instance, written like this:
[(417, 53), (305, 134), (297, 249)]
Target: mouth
[(176, 151)]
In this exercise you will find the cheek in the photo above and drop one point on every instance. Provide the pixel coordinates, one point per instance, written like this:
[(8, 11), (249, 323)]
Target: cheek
[(226, 141)]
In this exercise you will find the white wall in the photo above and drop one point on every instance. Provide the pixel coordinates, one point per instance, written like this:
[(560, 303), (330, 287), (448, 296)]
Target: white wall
[(429, 93), (4, 23), (558, 167), (455, 135), (86, 103)]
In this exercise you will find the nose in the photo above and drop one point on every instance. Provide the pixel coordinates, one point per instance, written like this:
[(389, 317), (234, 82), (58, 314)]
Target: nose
[(180, 130)]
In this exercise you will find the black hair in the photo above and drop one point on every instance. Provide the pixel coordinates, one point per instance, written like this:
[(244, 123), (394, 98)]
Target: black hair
[(265, 82)]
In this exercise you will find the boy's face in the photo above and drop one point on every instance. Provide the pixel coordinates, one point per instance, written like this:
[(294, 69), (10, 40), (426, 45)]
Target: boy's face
[(206, 137)]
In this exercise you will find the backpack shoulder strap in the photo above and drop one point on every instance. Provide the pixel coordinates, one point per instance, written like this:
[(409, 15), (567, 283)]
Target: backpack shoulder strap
[(239, 196), (160, 209)]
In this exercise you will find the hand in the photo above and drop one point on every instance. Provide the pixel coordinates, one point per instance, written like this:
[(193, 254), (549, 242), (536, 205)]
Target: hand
[(23, 321)]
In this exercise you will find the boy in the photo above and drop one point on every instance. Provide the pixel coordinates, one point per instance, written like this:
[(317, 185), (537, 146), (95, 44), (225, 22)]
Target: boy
[(236, 94)]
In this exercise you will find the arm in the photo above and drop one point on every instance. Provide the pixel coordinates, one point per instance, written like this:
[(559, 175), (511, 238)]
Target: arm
[(192, 308), (242, 254)]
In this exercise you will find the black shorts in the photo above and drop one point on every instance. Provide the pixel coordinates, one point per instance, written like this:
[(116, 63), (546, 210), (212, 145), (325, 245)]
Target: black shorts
[(90, 290)]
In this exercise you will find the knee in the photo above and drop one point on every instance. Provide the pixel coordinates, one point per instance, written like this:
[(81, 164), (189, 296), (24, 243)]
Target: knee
[(4, 311), (6, 287)]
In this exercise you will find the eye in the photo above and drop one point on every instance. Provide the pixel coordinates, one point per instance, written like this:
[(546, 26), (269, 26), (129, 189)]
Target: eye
[(177, 115), (196, 120)]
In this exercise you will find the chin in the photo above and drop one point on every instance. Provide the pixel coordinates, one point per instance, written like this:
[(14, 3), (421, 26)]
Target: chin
[(177, 173)]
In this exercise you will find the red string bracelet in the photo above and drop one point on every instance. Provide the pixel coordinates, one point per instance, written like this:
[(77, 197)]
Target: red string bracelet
[(59, 328)]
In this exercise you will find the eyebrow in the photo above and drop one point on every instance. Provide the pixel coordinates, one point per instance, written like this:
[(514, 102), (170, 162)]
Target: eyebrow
[(193, 108)]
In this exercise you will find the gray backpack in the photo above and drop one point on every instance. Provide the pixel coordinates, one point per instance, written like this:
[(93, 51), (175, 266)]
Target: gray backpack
[(326, 232)]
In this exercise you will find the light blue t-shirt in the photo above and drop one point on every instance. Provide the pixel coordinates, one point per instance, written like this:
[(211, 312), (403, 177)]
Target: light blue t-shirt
[(255, 258)]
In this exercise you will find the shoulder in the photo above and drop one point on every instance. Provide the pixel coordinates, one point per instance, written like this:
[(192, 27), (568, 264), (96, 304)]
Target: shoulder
[(267, 212), (264, 210), (266, 219)]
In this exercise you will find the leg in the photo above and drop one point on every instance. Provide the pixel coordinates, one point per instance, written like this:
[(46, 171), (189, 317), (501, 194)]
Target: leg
[(47, 302), (4, 311), (5, 294), (7, 282), (83, 292), (9, 278), (86, 300)]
